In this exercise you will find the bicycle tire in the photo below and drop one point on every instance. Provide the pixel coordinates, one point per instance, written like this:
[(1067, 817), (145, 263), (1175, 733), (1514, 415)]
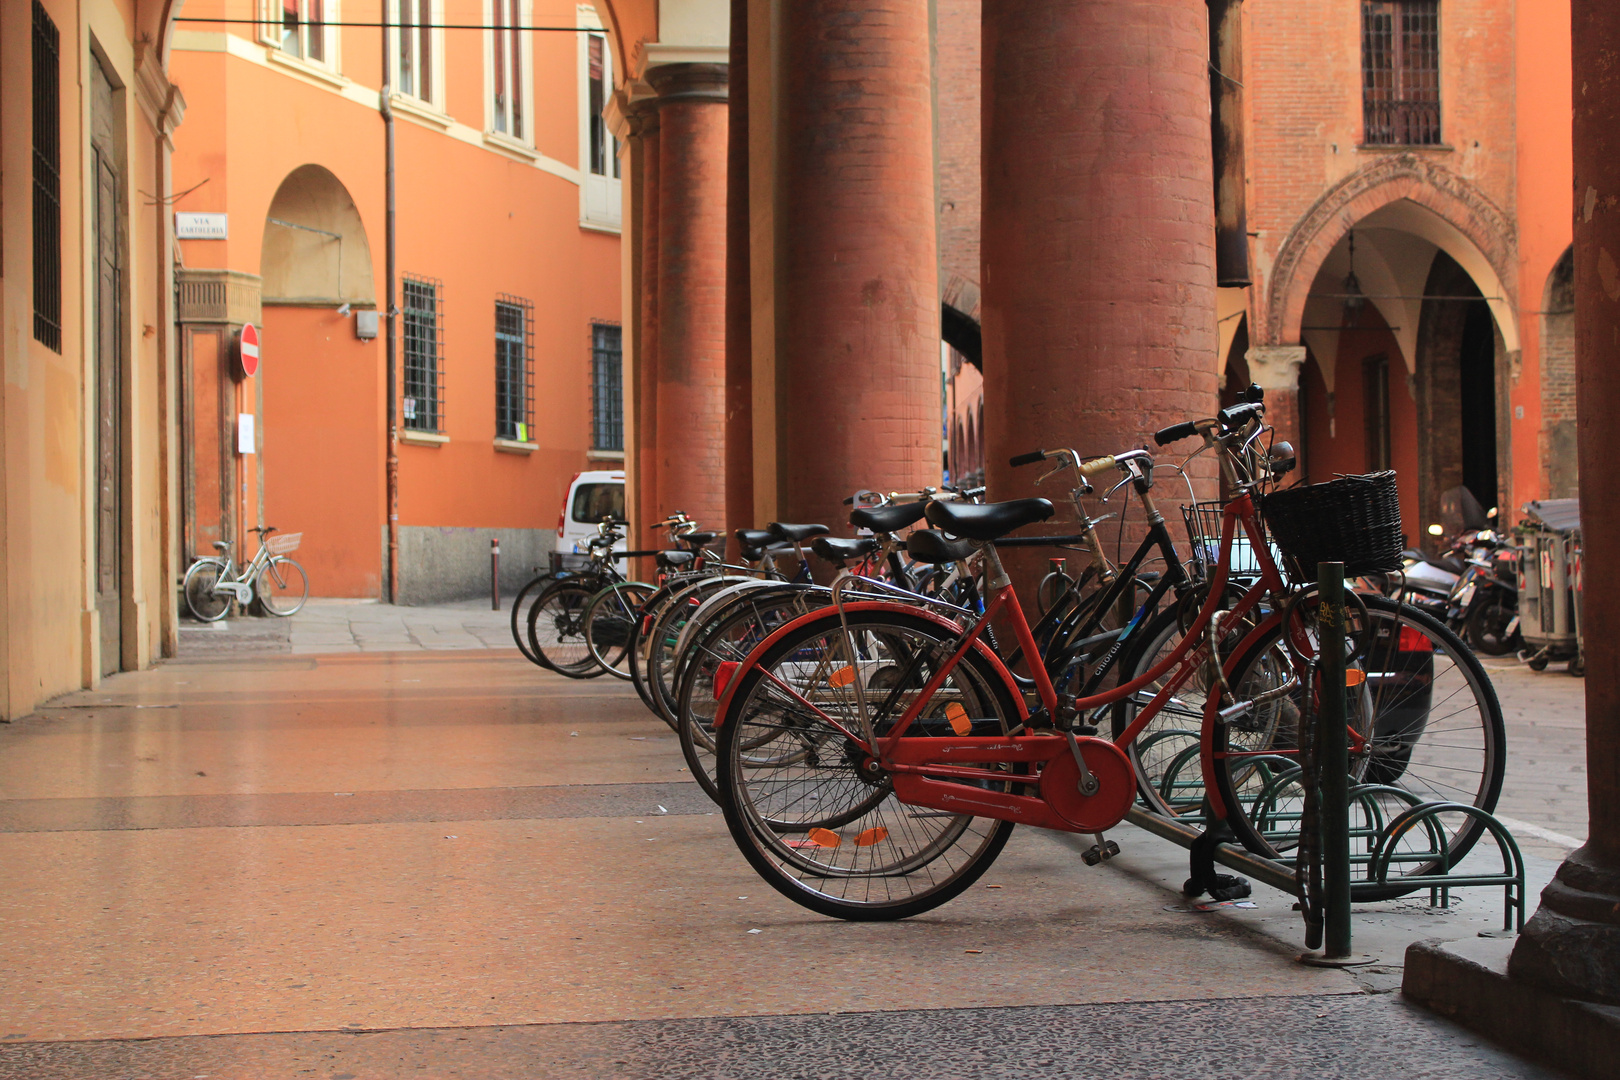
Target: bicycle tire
[(556, 630), (282, 586), (205, 605), (889, 870), (1416, 668), (609, 617), (520, 614)]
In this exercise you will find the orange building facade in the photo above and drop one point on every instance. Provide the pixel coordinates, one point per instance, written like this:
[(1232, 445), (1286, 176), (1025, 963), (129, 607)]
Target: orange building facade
[(507, 212)]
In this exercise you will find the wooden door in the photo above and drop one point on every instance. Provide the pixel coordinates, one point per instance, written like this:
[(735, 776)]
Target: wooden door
[(107, 328)]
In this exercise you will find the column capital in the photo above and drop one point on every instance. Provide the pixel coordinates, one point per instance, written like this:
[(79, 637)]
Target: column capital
[(1275, 367), (689, 81), (632, 111)]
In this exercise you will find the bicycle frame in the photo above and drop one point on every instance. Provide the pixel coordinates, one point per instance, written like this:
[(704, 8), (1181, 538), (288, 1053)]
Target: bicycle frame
[(924, 771)]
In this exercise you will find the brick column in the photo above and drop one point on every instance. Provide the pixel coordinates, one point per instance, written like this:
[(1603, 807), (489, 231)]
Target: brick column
[(1098, 237), (857, 279), (644, 120), (691, 290), (739, 295), (1275, 369), (1572, 943)]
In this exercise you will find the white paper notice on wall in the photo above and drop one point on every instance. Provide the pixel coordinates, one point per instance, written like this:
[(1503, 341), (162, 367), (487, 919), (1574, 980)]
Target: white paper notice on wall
[(201, 226), (244, 433)]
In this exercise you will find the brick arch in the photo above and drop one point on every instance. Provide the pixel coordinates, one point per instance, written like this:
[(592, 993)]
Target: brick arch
[(1399, 176)]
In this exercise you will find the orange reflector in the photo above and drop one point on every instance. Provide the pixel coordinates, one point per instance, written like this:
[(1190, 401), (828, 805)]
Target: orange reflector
[(722, 677), (1353, 677), (959, 718), (825, 837), (872, 836), (841, 678)]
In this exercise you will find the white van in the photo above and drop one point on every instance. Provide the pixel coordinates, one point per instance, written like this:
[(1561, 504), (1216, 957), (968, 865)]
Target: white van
[(591, 497)]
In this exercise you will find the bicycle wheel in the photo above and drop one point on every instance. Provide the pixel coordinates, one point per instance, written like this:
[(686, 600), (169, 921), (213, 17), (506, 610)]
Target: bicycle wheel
[(282, 586), (205, 604), (609, 618), (662, 642), (733, 634), (557, 628), (1168, 778), (521, 605), (790, 777), (1425, 727)]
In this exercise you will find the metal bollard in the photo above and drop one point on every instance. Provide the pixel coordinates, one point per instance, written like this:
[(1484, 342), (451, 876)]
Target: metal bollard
[(1333, 757), (494, 573)]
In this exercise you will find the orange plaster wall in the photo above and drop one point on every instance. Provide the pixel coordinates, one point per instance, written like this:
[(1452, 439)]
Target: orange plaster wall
[(322, 446)]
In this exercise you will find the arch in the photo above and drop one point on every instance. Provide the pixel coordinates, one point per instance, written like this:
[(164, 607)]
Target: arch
[(1416, 195), (960, 331), (1560, 472), (315, 250)]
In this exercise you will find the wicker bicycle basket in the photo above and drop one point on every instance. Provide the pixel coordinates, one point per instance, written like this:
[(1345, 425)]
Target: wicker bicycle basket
[(1355, 520), (285, 543)]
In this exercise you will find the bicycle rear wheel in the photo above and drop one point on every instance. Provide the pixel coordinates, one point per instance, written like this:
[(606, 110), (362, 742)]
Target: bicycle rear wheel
[(557, 628), (522, 604), (813, 819), (205, 604), (1425, 727)]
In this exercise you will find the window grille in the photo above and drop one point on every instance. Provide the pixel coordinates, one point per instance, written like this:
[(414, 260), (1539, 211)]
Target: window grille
[(514, 369), (47, 182), (607, 387), (1400, 72), (508, 57), (423, 312)]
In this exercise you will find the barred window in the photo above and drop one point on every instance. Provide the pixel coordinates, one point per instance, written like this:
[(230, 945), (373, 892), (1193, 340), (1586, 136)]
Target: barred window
[(1400, 72), (514, 369), (424, 354), (607, 387), (47, 182)]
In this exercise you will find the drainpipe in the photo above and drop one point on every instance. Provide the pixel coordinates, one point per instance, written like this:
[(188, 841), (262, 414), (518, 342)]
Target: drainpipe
[(392, 467)]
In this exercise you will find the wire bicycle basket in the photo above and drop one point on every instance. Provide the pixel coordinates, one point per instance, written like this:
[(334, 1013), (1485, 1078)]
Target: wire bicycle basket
[(284, 543), (1204, 534), (1355, 520)]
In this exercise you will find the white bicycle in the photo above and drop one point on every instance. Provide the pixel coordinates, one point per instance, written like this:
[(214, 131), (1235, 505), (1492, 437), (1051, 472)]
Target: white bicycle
[(279, 583)]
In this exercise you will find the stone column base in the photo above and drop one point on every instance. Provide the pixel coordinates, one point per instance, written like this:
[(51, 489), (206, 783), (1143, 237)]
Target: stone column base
[(1572, 943)]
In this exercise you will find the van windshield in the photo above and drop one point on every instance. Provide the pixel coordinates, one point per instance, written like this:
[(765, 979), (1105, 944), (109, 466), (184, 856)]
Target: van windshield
[(593, 502)]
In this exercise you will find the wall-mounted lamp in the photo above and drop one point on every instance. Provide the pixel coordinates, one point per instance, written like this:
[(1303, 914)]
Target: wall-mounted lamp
[(344, 310)]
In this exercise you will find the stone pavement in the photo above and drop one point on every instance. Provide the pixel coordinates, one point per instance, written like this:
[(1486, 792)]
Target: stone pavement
[(444, 862), (337, 626)]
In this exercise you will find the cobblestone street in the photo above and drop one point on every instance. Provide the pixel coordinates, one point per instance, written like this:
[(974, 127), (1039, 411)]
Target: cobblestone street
[(409, 855)]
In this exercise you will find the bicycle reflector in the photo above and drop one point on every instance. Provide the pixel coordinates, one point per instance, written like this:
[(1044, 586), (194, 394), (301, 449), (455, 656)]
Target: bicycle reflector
[(959, 719), (722, 676)]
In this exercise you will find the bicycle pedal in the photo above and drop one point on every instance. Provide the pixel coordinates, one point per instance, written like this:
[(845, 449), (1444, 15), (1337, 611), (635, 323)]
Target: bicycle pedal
[(1093, 855), (1085, 729)]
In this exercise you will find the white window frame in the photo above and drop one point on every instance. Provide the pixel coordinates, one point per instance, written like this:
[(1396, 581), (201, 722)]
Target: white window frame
[(433, 100), (600, 197), (497, 120), (271, 32)]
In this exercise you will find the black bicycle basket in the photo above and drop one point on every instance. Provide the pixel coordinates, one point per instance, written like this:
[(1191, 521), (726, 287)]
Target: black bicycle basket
[(1355, 520)]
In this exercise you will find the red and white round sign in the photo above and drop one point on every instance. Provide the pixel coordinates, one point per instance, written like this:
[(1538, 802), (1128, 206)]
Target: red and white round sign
[(247, 349)]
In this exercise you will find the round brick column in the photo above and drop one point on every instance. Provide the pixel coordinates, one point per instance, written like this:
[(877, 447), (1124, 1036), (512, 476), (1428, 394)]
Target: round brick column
[(1572, 943), (857, 282), (739, 293), (691, 314), (1098, 234)]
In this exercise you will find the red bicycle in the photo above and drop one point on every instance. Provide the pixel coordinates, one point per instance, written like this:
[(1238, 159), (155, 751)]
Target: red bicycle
[(874, 755)]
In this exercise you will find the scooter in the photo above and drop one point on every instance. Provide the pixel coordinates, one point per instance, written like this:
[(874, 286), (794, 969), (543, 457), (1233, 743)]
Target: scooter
[(1484, 605)]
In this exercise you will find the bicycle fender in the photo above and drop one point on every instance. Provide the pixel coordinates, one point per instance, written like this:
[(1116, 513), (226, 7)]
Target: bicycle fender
[(751, 661)]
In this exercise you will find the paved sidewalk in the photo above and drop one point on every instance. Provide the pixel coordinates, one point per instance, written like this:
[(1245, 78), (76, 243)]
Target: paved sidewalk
[(449, 862), (339, 626)]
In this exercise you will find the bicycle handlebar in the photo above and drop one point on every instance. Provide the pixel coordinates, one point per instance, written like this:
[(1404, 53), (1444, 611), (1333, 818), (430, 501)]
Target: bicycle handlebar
[(1028, 459), (1096, 465)]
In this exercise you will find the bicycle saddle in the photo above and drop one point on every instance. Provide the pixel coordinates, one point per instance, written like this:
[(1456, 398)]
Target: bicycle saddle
[(797, 534), (698, 539), (886, 519), (990, 520), (836, 549), (675, 560), (222, 545), (932, 546)]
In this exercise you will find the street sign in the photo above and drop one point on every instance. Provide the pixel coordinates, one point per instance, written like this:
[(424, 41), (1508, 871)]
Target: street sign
[(247, 350), (201, 226)]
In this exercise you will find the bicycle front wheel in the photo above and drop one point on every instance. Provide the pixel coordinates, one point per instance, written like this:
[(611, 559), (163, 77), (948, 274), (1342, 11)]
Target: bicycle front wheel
[(557, 628), (522, 604), (1424, 726), (820, 826), (610, 619), (282, 586), (205, 604)]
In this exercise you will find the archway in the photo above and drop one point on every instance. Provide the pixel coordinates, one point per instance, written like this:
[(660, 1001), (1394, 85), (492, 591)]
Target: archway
[(1560, 479), (321, 383)]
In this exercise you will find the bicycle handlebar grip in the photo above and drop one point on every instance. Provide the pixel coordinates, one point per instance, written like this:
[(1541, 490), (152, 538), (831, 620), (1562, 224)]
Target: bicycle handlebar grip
[(1097, 465), (1175, 432), (1234, 415), (1028, 459)]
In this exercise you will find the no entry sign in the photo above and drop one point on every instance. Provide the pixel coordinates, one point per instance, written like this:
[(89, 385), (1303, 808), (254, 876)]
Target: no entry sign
[(247, 350)]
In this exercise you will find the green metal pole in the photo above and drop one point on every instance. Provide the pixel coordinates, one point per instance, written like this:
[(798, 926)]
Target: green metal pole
[(1333, 756)]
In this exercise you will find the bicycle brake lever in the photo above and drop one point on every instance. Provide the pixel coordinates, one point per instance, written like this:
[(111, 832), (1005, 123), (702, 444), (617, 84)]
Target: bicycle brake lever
[(1049, 474)]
